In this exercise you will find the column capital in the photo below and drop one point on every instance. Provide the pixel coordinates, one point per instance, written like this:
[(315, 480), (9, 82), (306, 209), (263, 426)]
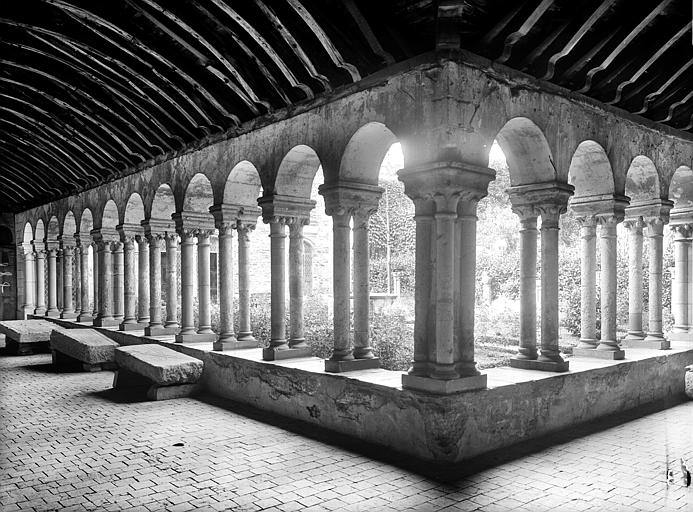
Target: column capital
[(633, 223), (345, 196), (68, 250), (51, 245), (157, 227), (189, 223), (285, 209), (39, 248), (228, 216), (600, 204), (609, 219), (28, 248), (650, 208), (655, 225), (105, 235), (128, 231), (682, 231)]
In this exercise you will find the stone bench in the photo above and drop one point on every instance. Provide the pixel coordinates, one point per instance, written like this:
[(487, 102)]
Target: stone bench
[(26, 336), (689, 381), (95, 351), (165, 372)]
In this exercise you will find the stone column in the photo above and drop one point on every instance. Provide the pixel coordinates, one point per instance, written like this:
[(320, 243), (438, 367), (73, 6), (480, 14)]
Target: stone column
[(655, 234), (130, 285), (245, 330), (679, 295), (227, 337), (29, 280), (105, 316), (278, 340), (52, 310), (143, 280), (608, 345), (528, 284), (96, 278), (172, 282), (296, 329), (588, 283), (155, 327), (118, 281), (85, 314), (634, 227), (187, 246), (550, 355), (68, 309), (361, 284), (204, 328), (341, 279), (77, 272), (40, 281)]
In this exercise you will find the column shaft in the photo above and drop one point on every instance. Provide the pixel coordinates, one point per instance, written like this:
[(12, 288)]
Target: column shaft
[(130, 284), (77, 277), (52, 284), (155, 282), (608, 242), (226, 330), (143, 280), (118, 281), (85, 314), (341, 276), (95, 279), (361, 286), (68, 309), (187, 276), (172, 282), (105, 282), (29, 281), (296, 277), (679, 299), (549, 288), (278, 275), (245, 331), (40, 282), (635, 331), (528, 288), (655, 235), (203, 280)]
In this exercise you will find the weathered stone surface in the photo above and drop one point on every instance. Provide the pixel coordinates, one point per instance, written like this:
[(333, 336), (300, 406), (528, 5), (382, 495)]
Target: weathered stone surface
[(28, 331), (689, 382), (159, 364), (86, 345)]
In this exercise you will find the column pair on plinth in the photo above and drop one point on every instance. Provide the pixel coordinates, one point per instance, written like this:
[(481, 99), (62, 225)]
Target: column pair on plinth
[(40, 274), (29, 279), (132, 319), (67, 249), (279, 212), (548, 201), (681, 296), (230, 218), (445, 196), (652, 218), (85, 312), (346, 202), (106, 240), (191, 226), (161, 236)]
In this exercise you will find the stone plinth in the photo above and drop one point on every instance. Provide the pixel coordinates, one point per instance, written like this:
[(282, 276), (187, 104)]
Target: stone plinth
[(196, 338), (656, 344), (613, 355), (349, 365), (22, 336), (273, 354), (535, 364), (90, 347), (688, 381), (444, 387), (159, 364)]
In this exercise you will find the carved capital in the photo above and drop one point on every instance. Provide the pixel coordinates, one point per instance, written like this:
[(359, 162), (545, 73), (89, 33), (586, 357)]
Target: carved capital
[(634, 224), (655, 226)]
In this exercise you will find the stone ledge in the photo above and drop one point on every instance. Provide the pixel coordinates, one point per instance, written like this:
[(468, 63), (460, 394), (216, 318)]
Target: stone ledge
[(160, 331), (222, 346), (106, 322), (133, 326), (658, 344), (195, 338), (351, 365)]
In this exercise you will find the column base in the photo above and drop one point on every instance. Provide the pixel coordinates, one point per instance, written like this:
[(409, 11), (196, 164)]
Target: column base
[(349, 365), (651, 343), (136, 326), (69, 316), (271, 354), (613, 355), (106, 322), (680, 336), (53, 314), (195, 338), (634, 336), (222, 346), (246, 336), (160, 331), (444, 387), (40, 312), (85, 318), (535, 364)]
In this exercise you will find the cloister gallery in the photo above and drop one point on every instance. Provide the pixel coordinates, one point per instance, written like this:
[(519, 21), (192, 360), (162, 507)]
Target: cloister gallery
[(122, 201)]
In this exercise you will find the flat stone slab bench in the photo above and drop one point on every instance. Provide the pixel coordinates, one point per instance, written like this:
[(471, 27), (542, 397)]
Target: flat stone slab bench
[(93, 350), (24, 336), (688, 382), (166, 373)]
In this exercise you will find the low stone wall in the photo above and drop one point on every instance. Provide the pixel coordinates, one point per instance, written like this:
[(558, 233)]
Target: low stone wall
[(447, 429)]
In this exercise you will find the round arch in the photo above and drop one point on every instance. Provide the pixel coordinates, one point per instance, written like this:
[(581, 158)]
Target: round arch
[(53, 229), (109, 218), (296, 172), (243, 185), (164, 203), (527, 152), (28, 236), (86, 222), (134, 209), (642, 180), (40, 231), (199, 195), (681, 188), (365, 152), (69, 226), (590, 170)]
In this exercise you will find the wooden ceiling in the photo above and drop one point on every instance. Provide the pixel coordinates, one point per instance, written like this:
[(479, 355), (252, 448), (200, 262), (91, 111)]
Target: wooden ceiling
[(92, 90)]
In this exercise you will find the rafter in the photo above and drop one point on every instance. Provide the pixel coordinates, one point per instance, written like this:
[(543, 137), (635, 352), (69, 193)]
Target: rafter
[(528, 25), (624, 44), (651, 97), (367, 32)]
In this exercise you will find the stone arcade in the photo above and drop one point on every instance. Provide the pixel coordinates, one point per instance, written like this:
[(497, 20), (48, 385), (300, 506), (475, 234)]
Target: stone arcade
[(446, 106)]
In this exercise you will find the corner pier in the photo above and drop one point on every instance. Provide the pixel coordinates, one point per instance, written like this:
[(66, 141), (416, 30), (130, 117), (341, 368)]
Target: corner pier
[(370, 405)]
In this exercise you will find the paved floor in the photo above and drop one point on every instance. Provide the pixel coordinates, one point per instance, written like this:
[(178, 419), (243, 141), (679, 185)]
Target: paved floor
[(66, 442)]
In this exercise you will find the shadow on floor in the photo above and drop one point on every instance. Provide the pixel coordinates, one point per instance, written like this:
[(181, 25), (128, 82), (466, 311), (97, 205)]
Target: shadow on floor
[(122, 396), (443, 473)]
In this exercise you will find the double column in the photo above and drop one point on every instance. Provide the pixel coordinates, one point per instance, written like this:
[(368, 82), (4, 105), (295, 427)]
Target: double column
[(29, 280), (161, 236), (280, 211), (85, 312), (681, 283), (40, 251), (445, 195), (68, 252), (192, 225), (105, 240), (351, 204), (130, 319), (227, 219), (547, 201), (52, 275)]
